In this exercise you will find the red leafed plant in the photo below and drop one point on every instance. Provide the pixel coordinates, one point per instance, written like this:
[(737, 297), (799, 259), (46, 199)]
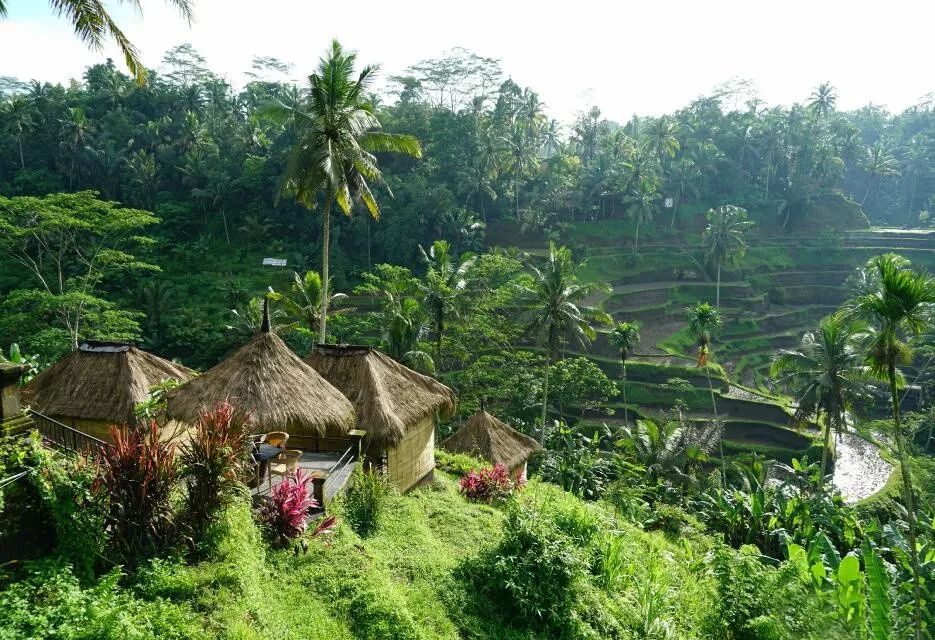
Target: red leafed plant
[(137, 476), (489, 485), (286, 513), (213, 464)]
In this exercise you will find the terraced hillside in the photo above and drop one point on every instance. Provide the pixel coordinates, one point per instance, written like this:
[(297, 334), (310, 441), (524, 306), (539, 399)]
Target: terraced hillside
[(784, 286)]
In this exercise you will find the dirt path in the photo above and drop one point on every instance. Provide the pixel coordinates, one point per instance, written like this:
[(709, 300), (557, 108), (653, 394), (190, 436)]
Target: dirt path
[(859, 471)]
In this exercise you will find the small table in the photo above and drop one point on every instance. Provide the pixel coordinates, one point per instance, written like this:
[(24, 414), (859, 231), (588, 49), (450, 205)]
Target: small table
[(262, 454)]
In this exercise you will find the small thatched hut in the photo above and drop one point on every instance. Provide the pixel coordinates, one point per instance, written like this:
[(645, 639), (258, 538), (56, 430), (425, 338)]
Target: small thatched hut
[(266, 378), (396, 406), (98, 385), (489, 438)]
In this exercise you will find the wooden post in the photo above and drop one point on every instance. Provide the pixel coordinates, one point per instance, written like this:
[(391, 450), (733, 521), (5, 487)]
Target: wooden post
[(9, 389)]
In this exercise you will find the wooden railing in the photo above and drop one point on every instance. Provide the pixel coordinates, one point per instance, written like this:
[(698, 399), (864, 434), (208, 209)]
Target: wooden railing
[(63, 437), (340, 471)]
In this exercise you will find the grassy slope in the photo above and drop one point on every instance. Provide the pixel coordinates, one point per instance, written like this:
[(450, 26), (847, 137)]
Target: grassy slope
[(400, 583)]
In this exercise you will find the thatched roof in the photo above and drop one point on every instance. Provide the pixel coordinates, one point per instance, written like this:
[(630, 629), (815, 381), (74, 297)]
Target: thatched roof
[(100, 381), (266, 378), (389, 397), (487, 437)]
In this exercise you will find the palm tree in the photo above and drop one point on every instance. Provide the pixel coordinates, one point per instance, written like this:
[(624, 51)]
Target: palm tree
[(337, 133), (823, 100), (671, 451), (642, 206), (827, 374), (445, 281), (555, 310), (723, 239), (662, 137), (93, 25), (18, 113), (880, 163), (703, 322), (625, 336), (899, 303), (303, 302)]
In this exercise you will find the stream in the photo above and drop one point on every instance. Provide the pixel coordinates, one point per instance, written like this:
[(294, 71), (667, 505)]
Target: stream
[(859, 471)]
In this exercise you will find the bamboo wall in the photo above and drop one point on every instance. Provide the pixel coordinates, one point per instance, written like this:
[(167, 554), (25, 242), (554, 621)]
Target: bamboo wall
[(414, 457)]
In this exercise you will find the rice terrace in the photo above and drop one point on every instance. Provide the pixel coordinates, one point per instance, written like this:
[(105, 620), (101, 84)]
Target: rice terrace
[(395, 321)]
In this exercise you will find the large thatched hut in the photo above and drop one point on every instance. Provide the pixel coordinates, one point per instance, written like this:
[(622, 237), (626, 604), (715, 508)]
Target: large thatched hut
[(281, 392), (98, 385), (396, 406), (489, 438)]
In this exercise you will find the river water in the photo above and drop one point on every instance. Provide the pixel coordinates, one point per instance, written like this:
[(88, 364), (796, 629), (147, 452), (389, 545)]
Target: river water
[(859, 471)]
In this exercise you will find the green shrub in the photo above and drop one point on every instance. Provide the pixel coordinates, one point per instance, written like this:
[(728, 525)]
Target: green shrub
[(460, 464), (48, 602), (534, 576), (365, 500)]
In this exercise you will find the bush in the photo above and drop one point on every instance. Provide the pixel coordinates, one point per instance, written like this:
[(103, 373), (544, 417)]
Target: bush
[(48, 602), (535, 574), (459, 464), (137, 476), (213, 463), (365, 500), (488, 485), (285, 515)]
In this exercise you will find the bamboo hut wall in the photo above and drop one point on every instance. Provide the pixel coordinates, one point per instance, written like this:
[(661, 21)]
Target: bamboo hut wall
[(413, 458)]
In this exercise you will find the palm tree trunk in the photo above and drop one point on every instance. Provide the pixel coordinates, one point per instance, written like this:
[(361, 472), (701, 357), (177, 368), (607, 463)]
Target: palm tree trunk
[(867, 192), (717, 295), (626, 413), (909, 500), (825, 447), (325, 254), (717, 421), (636, 240), (226, 232), (22, 162), (912, 195), (545, 398)]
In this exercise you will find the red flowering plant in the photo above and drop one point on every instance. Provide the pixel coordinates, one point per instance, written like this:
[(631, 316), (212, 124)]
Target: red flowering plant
[(287, 512), (489, 485)]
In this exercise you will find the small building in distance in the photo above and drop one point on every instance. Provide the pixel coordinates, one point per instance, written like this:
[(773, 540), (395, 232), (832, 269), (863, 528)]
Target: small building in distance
[(487, 437), (396, 406), (98, 385)]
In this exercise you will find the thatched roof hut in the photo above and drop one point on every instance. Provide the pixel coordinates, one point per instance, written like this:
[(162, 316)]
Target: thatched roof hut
[(100, 382), (266, 378), (389, 397), (489, 438), (396, 406)]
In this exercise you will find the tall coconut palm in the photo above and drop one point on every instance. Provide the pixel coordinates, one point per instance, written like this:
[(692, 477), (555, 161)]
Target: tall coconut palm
[(828, 374), (899, 302), (625, 336), (723, 240), (879, 162), (703, 322), (17, 115), (641, 207), (337, 132), (823, 100), (553, 298), (445, 281), (94, 25)]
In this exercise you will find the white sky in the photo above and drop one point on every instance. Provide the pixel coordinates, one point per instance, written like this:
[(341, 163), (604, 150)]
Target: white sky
[(645, 57)]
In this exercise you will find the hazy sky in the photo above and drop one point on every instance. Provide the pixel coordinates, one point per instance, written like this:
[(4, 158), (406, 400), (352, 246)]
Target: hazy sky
[(627, 57)]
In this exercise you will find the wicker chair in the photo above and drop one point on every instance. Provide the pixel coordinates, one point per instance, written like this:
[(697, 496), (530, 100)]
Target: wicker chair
[(283, 465), (277, 439)]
